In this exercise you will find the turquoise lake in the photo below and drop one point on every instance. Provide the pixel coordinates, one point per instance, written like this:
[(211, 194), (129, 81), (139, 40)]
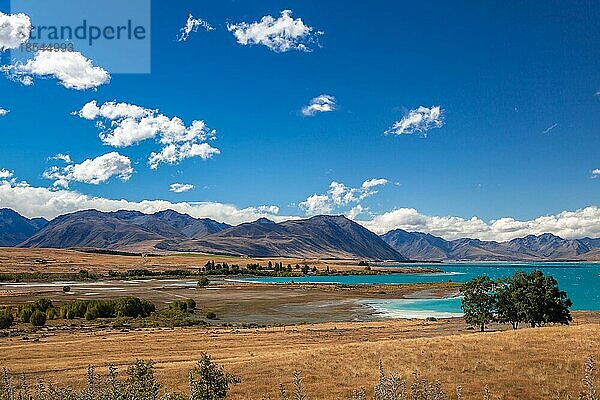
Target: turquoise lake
[(580, 280)]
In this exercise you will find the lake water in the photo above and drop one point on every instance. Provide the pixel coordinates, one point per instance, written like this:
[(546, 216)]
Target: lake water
[(580, 280)]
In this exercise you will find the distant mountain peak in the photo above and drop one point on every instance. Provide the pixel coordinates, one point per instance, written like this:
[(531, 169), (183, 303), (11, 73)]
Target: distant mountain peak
[(264, 221)]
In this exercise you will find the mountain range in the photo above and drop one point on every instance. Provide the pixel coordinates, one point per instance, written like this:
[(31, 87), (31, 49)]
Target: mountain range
[(320, 237), (326, 237), (425, 247), (317, 237), (14, 228)]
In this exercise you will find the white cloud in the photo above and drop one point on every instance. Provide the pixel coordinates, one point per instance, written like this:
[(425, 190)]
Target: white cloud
[(567, 224), (71, 68), (62, 157), (123, 125), (192, 25), (280, 35), (93, 171), (596, 173), (173, 154), (419, 120), (550, 128), (180, 187), (43, 202), (14, 30), (356, 211), (316, 204), (5, 174), (340, 195), (371, 183), (3, 112), (322, 103)]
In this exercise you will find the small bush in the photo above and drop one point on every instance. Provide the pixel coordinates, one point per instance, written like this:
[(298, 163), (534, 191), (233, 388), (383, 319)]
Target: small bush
[(6, 318), (38, 318), (180, 305), (191, 304), (203, 282), (51, 313), (211, 315)]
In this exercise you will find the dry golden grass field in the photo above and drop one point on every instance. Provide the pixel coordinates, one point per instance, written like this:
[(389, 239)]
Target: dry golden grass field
[(72, 261), (334, 358)]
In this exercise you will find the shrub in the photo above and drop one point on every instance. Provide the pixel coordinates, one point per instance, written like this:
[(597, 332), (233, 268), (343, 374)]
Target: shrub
[(208, 381), (51, 313), (25, 312), (38, 318), (211, 315), (6, 318), (203, 282), (191, 304), (180, 305)]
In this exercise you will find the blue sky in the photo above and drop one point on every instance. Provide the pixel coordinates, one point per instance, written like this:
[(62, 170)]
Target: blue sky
[(502, 73)]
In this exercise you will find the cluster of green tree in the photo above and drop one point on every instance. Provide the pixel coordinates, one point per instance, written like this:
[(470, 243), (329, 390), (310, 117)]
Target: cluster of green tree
[(131, 307), (183, 305), (82, 275), (37, 313), (143, 273), (271, 269), (532, 298)]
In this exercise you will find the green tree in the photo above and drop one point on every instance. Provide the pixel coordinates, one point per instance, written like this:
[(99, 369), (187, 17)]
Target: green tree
[(6, 318), (208, 381), (511, 299), (546, 303), (38, 318), (478, 301)]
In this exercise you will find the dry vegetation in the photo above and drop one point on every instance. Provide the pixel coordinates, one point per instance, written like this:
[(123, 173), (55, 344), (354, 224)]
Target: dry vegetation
[(335, 358), (15, 261)]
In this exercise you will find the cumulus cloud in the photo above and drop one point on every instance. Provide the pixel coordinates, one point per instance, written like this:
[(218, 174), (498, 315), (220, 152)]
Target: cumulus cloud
[(33, 201), (340, 195), (43, 202), (180, 187), (71, 68), (356, 211), (123, 125), (192, 25), (278, 34), (62, 157), (567, 224), (93, 171), (420, 120), (5, 174), (322, 103), (371, 183), (3, 112), (14, 30), (316, 204), (173, 154), (596, 173)]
